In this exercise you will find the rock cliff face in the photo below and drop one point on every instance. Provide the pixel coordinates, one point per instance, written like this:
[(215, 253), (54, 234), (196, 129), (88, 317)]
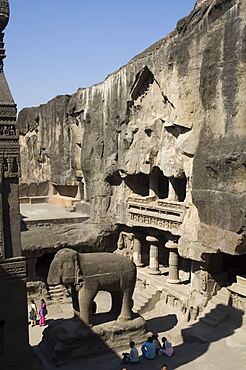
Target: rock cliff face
[(169, 124)]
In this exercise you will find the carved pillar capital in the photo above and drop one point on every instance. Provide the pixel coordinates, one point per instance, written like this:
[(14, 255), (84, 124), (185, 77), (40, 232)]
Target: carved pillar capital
[(151, 239)]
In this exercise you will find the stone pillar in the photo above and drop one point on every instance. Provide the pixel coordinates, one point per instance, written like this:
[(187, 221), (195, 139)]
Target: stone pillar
[(153, 256), (172, 195), (137, 255), (153, 184), (173, 277), (31, 271)]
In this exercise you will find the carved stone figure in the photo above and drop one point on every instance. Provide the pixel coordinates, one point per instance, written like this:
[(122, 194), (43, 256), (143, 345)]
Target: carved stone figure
[(125, 245), (90, 272)]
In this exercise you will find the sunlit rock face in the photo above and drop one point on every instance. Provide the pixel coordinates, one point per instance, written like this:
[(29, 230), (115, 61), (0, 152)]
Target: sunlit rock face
[(175, 111)]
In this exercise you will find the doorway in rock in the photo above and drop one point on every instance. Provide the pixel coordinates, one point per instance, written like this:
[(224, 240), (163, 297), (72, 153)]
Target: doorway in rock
[(233, 266), (139, 183), (179, 187), (163, 185), (43, 265)]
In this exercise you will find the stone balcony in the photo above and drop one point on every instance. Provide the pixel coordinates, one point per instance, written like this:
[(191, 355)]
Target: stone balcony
[(158, 213)]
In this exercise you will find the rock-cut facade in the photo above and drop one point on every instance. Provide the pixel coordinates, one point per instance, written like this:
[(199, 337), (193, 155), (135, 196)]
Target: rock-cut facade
[(155, 154)]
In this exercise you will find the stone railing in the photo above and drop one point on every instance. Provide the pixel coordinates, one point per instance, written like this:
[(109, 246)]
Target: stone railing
[(161, 214)]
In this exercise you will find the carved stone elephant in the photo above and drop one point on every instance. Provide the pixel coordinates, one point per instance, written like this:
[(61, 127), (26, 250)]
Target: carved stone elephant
[(87, 273)]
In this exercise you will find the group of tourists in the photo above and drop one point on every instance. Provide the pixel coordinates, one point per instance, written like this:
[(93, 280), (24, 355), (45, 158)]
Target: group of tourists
[(34, 313), (150, 349)]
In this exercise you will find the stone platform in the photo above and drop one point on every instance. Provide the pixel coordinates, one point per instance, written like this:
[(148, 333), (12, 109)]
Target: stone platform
[(46, 212), (66, 341)]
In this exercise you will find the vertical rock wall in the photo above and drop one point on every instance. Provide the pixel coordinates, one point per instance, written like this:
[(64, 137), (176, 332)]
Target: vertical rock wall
[(177, 106)]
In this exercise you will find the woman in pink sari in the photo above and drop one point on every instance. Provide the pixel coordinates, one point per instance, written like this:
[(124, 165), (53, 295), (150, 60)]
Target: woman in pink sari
[(166, 349), (42, 313)]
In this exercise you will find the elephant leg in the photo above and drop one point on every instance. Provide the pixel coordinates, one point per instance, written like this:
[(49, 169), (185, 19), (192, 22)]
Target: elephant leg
[(86, 297), (127, 304), (75, 299), (116, 302)]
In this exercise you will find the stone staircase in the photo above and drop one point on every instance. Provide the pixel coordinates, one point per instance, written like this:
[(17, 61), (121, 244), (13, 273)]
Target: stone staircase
[(145, 299), (217, 309), (208, 328), (59, 293)]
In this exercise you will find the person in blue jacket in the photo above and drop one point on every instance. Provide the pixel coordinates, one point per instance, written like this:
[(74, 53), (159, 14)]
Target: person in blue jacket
[(148, 349)]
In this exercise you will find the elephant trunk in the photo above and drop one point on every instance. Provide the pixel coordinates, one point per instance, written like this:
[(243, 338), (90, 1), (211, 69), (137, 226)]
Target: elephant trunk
[(54, 275)]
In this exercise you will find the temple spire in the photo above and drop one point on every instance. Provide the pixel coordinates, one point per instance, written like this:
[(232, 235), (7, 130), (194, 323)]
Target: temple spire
[(4, 18)]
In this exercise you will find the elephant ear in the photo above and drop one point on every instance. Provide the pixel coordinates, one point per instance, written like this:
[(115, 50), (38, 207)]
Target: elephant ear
[(79, 277)]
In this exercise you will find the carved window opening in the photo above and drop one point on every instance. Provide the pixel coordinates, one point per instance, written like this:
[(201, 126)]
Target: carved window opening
[(158, 183), (71, 191), (139, 183), (1, 338), (163, 186), (143, 80), (179, 187)]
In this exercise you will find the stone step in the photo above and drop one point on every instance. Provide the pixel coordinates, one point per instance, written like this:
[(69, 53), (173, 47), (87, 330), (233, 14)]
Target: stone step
[(145, 294), (56, 290), (219, 316), (144, 300), (141, 300), (218, 300), (209, 321), (57, 294), (71, 209), (136, 307), (199, 333), (222, 295), (55, 287)]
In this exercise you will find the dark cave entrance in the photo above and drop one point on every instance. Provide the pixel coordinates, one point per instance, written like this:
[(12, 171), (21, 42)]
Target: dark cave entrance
[(43, 265)]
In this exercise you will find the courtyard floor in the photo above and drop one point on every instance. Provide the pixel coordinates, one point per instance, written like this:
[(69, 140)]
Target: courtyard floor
[(226, 351)]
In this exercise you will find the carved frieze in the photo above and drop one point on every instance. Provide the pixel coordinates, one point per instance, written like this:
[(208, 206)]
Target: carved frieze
[(238, 302), (8, 130), (159, 214), (153, 221), (8, 110), (12, 270), (10, 164)]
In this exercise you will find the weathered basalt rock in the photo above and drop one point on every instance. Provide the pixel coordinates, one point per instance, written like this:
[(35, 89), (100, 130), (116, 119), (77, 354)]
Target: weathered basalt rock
[(176, 108)]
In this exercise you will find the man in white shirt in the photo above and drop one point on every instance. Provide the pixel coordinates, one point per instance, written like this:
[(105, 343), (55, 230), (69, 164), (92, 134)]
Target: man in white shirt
[(131, 357)]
